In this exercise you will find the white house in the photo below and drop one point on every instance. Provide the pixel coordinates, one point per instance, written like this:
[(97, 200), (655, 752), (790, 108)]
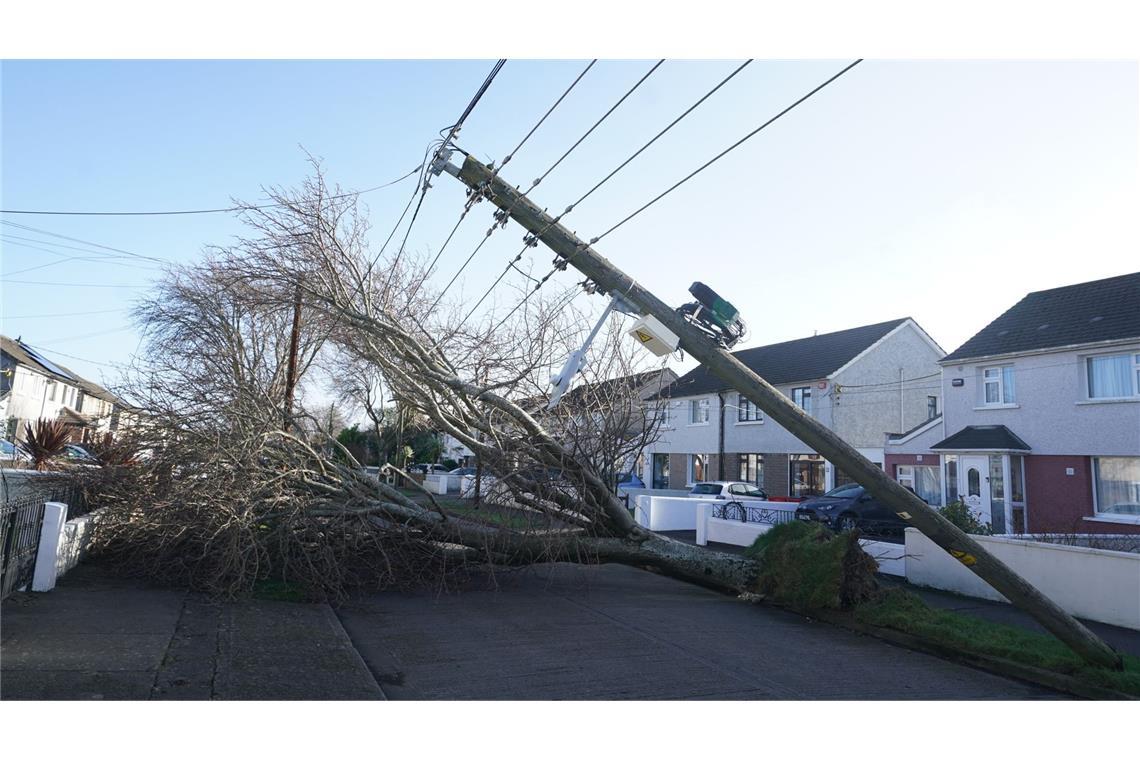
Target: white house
[(34, 387), (1040, 430), (862, 383)]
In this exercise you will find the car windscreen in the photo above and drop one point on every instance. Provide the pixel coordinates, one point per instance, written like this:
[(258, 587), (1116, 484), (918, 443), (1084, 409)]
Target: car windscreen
[(706, 489), (846, 491)]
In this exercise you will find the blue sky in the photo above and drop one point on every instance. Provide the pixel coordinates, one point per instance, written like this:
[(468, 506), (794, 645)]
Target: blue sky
[(939, 190)]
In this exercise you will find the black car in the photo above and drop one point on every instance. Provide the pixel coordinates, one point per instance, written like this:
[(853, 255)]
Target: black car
[(849, 506)]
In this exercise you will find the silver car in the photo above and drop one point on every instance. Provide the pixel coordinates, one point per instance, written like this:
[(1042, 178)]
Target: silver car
[(730, 490)]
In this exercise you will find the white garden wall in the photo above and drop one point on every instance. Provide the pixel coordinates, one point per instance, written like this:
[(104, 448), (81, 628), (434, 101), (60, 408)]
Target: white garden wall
[(667, 512), (1096, 584)]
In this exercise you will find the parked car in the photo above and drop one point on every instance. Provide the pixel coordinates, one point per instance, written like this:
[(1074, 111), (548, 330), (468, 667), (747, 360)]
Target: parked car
[(629, 480), (850, 506), (428, 469), (13, 453), (731, 490), (462, 471), (79, 455)]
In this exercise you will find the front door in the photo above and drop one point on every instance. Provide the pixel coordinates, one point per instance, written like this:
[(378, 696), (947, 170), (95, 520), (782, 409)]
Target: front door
[(973, 486)]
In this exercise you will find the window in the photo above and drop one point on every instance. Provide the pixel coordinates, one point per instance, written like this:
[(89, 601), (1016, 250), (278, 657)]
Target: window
[(699, 411), (52, 384), (1113, 376), (931, 407), (805, 475), (698, 467), (802, 398), (1017, 492), (951, 478), (752, 468), (739, 489), (1117, 485), (746, 411), (997, 494), (660, 471), (926, 481), (997, 385)]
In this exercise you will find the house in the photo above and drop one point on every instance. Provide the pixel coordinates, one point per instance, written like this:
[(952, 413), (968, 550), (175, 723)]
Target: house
[(1040, 428), (34, 387), (861, 383)]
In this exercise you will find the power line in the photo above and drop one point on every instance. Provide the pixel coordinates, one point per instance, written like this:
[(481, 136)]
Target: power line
[(228, 209), (729, 149), (638, 152), (549, 111), (502, 217), (72, 284), (656, 137), (63, 314), (598, 122), (80, 240), (454, 130), (77, 358), (467, 208), (96, 334)]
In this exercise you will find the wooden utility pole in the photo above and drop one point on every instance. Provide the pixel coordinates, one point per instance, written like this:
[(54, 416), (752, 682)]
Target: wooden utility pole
[(291, 368), (823, 440)]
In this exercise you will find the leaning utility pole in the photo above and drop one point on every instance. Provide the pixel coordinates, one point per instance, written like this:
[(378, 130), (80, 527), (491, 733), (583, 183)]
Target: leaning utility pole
[(728, 368)]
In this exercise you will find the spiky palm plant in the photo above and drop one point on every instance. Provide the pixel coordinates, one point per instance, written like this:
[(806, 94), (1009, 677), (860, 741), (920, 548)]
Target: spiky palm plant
[(45, 440)]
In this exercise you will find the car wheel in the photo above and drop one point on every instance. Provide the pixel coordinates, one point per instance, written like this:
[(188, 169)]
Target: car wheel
[(846, 522)]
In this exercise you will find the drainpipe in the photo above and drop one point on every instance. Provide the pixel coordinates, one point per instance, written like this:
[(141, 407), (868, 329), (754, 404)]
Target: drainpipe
[(720, 439)]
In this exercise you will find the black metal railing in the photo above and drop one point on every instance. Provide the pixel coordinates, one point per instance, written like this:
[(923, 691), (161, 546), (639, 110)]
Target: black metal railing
[(735, 510), (21, 522)]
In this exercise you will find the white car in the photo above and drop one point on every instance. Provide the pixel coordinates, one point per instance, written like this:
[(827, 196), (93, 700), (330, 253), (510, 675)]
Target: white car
[(730, 490)]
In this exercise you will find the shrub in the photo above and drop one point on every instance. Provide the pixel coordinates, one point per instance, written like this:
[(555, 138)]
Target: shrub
[(806, 566), (959, 514), (45, 440)]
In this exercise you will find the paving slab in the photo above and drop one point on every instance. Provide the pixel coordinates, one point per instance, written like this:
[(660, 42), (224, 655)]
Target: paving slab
[(612, 632), (100, 637)]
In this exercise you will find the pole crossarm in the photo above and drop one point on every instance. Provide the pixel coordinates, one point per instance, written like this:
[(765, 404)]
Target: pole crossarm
[(822, 439)]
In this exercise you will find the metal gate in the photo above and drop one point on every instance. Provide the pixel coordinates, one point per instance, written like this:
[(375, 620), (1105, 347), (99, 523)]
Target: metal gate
[(21, 522)]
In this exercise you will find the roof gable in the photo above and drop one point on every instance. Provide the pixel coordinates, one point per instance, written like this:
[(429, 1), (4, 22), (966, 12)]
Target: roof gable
[(982, 438), (791, 361), (1090, 312)]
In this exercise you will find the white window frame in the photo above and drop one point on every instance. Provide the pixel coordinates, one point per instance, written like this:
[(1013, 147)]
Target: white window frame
[(1134, 374), (1000, 380), (691, 474), (751, 412), (1094, 466), (699, 405)]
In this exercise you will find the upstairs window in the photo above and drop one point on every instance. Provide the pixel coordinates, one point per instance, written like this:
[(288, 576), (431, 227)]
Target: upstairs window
[(931, 407), (1113, 376), (997, 385), (746, 411), (801, 397), (699, 411)]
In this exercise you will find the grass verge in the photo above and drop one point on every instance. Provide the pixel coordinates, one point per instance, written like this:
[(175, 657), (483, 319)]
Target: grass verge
[(900, 610), (810, 569)]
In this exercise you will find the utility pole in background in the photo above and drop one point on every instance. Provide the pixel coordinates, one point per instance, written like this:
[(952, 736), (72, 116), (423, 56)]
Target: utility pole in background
[(823, 440), (291, 369)]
